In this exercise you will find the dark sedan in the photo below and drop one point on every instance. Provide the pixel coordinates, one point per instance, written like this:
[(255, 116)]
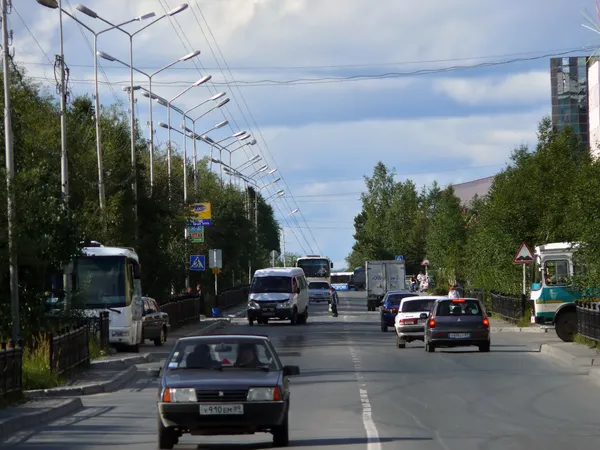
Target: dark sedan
[(389, 307), (223, 385), (458, 322)]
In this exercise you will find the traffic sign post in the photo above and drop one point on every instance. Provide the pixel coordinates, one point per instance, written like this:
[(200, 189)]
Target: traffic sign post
[(524, 257), (197, 263), (196, 234), (215, 262), (201, 214), (274, 255)]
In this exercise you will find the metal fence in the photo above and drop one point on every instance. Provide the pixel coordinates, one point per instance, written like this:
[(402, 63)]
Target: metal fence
[(183, 309), (99, 328), (509, 307), (588, 320), (234, 296), (11, 368), (69, 348)]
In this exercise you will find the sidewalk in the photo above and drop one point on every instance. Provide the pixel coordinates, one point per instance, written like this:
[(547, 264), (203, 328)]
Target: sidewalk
[(498, 325), (105, 375)]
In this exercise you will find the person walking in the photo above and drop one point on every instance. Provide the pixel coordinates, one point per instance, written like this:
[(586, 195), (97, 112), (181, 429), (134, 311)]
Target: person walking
[(333, 302), (453, 293)]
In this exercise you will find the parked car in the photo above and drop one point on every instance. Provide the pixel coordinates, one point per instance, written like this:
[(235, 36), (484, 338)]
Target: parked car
[(223, 385), (412, 317), (389, 307), (155, 323), (458, 322)]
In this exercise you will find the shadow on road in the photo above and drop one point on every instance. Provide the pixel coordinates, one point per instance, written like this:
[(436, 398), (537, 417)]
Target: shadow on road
[(324, 442)]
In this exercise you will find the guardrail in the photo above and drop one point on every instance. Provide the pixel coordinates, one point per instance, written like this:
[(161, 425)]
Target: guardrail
[(509, 307), (11, 368), (588, 320), (69, 348)]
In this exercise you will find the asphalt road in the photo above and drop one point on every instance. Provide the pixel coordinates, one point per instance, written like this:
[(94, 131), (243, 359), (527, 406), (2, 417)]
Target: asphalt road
[(357, 391)]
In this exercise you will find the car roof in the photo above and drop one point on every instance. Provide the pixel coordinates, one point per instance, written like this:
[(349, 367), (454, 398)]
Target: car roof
[(399, 291), (461, 298), (210, 337), (424, 297), (279, 272)]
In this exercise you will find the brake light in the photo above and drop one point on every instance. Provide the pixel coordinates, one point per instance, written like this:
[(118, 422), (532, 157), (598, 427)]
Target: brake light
[(395, 310), (486, 322), (166, 397), (408, 321), (276, 394), (431, 323), (458, 300)]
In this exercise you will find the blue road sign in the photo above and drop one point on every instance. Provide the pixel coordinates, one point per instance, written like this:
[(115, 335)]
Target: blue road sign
[(399, 258), (197, 263), (200, 222)]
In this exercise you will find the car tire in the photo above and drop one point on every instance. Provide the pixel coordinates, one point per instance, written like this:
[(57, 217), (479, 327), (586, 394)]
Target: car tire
[(160, 340), (281, 434), (384, 327), (401, 343), (566, 326), (429, 348), (485, 347), (166, 437), (250, 322), (134, 348)]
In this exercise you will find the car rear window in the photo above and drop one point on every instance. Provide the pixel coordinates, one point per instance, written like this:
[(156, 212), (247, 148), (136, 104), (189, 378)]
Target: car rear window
[(459, 308), (395, 299), (318, 285), (417, 306)]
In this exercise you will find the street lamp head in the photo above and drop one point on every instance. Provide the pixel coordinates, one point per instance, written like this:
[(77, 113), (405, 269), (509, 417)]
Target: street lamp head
[(48, 3), (209, 140), (202, 80), (145, 16), (223, 103), (162, 102), (252, 142), (217, 96), (221, 124), (239, 133), (128, 88), (105, 56), (87, 11), (244, 137), (276, 180), (272, 171), (190, 55), (294, 211), (216, 161), (178, 9), (280, 193), (263, 168), (255, 158), (162, 124)]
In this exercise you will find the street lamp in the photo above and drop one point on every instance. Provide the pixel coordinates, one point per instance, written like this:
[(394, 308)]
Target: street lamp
[(90, 13), (260, 169)]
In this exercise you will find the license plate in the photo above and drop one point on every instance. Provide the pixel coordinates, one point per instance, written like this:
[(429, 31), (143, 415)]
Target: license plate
[(458, 335), (221, 410), (422, 320), (268, 309)]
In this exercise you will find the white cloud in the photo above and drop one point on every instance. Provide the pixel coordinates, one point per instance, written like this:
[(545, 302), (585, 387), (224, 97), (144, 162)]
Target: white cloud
[(521, 88)]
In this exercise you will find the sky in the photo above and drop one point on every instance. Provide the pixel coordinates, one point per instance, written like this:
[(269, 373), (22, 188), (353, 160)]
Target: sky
[(440, 90)]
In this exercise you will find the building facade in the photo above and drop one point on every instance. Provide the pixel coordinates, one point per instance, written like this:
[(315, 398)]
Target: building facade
[(594, 107), (569, 79)]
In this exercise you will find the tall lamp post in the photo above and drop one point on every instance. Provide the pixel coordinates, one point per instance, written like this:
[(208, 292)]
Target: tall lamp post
[(282, 228)]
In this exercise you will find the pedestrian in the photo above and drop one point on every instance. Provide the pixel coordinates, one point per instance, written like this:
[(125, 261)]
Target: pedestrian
[(333, 302), (453, 293), (201, 297)]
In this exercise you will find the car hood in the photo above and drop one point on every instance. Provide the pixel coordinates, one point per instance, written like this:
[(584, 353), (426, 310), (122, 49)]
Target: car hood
[(215, 379), (269, 297)]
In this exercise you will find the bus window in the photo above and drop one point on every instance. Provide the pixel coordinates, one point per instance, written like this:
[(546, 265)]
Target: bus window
[(536, 282), (557, 273)]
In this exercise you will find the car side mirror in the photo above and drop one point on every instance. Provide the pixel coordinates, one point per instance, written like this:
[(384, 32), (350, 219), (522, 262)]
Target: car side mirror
[(291, 370), (424, 316)]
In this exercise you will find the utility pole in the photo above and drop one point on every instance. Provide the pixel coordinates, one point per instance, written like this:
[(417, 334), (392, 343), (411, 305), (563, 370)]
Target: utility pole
[(10, 179)]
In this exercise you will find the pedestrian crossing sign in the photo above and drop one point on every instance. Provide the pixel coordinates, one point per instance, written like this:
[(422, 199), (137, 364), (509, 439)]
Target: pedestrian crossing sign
[(197, 263)]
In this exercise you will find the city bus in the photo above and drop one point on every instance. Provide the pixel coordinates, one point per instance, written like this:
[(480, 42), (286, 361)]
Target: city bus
[(342, 281), (316, 268), (108, 279), (552, 295)]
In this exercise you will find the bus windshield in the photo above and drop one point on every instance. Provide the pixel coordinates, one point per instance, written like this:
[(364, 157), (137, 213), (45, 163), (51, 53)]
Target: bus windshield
[(101, 281), (315, 267)]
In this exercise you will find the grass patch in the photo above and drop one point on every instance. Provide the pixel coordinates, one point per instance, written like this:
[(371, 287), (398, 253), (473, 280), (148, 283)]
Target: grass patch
[(587, 342), (36, 366), (96, 351)]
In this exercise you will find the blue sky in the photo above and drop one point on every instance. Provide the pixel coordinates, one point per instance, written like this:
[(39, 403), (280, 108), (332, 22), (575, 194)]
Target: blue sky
[(452, 126)]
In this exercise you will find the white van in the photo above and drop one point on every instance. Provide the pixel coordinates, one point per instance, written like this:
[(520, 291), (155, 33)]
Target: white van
[(278, 293)]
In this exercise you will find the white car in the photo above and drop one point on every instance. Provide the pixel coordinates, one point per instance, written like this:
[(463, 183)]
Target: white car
[(412, 315)]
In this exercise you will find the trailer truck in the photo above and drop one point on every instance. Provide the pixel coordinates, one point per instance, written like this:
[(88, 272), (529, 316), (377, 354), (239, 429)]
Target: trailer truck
[(381, 277)]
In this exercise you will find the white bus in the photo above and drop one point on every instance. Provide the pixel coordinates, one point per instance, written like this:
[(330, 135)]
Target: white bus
[(108, 279), (342, 281), (316, 268)]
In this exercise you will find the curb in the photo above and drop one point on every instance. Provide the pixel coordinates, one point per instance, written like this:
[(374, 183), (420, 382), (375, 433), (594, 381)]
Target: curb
[(568, 358), (27, 420), (514, 329), (124, 361), (89, 389)]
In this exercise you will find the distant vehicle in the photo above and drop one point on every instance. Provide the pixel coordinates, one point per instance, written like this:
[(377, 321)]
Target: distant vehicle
[(223, 385), (278, 293), (341, 281), (318, 291), (382, 277), (316, 268), (412, 317), (389, 307), (155, 323), (360, 280), (552, 296), (109, 279), (457, 323)]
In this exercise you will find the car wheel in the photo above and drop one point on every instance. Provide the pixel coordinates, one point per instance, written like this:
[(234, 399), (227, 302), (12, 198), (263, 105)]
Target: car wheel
[(134, 348), (281, 434), (159, 341), (166, 437), (401, 343), (485, 347), (566, 326), (429, 348), (250, 322), (384, 327)]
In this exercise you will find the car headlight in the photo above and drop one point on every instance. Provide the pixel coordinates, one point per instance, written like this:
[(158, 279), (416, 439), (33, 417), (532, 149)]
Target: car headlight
[(179, 395), (262, 394), (286, 304), (253, 305)]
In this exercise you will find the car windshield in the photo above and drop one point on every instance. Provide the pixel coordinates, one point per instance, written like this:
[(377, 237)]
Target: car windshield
[(410, 306), (318, 285), (280, 284), (219, 354), (395, 299), (459, 308)]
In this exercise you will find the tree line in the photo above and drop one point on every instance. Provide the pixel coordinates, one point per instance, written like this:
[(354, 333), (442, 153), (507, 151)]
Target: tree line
[(550, 193), (49, 232)]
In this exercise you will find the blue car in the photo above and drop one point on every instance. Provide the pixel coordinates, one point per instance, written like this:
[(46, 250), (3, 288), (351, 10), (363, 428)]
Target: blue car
[(389, 307)]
